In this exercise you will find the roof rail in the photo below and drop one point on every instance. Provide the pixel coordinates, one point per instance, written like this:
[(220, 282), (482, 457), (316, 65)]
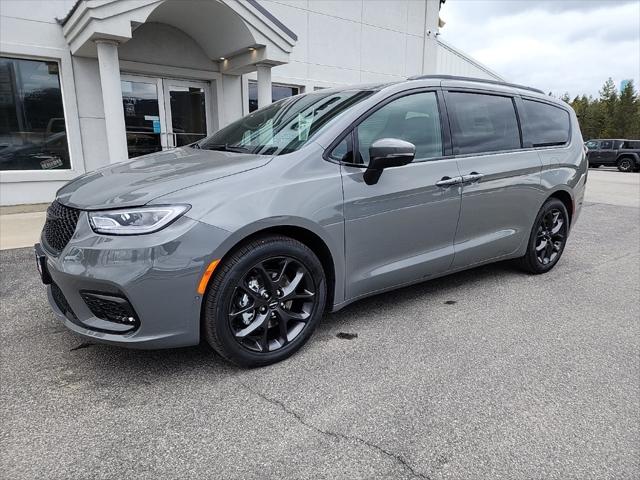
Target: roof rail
[(472, 79)]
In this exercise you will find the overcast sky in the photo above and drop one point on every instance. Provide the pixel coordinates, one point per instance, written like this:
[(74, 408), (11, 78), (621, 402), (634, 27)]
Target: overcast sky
[(558, 46)]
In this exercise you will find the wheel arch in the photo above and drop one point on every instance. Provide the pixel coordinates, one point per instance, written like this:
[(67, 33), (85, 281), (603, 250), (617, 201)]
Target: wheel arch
[(567, 199), (631, 155), (306, 235)]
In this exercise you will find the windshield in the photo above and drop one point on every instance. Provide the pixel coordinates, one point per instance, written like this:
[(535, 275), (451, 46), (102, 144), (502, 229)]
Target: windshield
[(284, 126)]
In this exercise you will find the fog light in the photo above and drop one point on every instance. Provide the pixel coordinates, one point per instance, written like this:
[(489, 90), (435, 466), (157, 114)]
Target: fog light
[(112, 308)]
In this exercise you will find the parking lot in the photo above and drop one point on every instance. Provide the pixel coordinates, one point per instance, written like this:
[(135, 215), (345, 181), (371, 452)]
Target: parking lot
[(490, 373)]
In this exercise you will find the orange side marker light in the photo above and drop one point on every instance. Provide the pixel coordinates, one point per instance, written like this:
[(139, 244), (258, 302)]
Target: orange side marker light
[(202, 286)]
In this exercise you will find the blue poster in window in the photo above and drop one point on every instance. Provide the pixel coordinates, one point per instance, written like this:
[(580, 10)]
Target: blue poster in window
[(156, 126)]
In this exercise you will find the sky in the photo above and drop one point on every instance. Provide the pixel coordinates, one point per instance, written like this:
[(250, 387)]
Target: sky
[(556, 45)]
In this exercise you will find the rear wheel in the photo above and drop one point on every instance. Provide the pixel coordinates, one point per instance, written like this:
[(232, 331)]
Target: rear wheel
[(548, 238), (264, 301), (626, 164)]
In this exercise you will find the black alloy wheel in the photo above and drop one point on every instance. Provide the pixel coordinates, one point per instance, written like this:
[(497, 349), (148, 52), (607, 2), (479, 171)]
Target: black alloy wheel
[(625, 165), (271, 304), (547, 239), (264, 301), (550, 236)]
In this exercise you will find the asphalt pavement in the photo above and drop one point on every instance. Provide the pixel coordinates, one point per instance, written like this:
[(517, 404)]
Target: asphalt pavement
[(486, 374)]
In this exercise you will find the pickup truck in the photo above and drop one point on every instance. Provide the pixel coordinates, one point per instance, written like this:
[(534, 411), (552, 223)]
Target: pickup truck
[(624, 154)]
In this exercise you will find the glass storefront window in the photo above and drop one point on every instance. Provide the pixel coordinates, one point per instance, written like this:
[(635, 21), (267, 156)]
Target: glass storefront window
[(278, 92), (141, 117), (32, 126)]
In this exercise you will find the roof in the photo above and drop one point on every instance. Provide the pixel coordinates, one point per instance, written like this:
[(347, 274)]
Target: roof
[(478, 80), (66, 18), (253, 3)]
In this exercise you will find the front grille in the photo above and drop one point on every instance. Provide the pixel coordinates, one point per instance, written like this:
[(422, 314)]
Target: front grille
[(60, 225), (62, 303), (112, 308)]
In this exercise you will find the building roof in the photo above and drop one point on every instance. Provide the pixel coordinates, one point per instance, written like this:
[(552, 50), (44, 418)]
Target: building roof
[(253, 3)]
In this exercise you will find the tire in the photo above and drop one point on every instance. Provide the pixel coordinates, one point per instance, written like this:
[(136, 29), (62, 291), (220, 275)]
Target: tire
[(244, 319), (542, 235), (626, 164)]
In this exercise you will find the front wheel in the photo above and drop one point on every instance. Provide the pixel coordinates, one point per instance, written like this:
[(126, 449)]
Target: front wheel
[(264, 301), (625, 165), (548, 238)]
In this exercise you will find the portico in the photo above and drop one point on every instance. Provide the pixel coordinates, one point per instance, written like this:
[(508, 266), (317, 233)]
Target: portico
[(170, 70)]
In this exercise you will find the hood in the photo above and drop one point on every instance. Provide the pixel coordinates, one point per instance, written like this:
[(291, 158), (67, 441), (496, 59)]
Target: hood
[(138, 181)]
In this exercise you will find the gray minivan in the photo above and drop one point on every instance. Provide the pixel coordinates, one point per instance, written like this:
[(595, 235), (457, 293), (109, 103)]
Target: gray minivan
[(246, 237)]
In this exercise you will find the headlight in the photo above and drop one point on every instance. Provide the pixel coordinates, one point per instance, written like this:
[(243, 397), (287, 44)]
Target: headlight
[(135, 221)]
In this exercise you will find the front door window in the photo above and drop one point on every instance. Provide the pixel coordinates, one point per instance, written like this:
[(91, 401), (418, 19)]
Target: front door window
[(161, 114)]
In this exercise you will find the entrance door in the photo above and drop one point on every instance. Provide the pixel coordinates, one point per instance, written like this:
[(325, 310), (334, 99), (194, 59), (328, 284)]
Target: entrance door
[(186, 112), (162, 113)]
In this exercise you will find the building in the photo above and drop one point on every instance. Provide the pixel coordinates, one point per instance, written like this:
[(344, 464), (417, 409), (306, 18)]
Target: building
[(92, 82)]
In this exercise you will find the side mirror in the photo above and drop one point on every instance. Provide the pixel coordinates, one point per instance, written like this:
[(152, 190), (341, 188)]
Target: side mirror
[(387, 153)]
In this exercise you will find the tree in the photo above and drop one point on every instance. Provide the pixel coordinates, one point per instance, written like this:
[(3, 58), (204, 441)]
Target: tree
[(627, 117), (609, 102), (612, 115)]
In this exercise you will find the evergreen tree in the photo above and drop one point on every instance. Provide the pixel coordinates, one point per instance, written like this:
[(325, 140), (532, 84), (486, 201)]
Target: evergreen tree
[(609, 105), (612, 115), (626, 119)]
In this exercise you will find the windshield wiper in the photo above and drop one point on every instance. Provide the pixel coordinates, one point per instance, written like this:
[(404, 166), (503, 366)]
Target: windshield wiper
[(225, 147)]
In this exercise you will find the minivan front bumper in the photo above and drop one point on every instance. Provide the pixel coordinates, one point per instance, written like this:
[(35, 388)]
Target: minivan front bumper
[(136, 291)]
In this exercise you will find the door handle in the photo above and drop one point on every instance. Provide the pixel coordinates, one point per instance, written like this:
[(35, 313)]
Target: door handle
[(473, 177), (448, 181)]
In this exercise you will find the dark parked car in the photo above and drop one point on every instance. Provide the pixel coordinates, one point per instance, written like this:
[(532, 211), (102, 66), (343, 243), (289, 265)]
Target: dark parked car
[(624, 154)]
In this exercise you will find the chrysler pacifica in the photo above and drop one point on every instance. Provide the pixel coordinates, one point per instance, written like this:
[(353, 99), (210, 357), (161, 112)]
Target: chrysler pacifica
[(247, 237)]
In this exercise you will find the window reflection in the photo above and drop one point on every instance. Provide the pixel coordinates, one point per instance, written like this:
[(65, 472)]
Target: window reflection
[(141, 117), (32, 125), (188, 114)]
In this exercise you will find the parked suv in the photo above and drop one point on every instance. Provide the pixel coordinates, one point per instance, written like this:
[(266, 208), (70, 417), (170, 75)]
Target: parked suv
[(624, 154), (247, 237)]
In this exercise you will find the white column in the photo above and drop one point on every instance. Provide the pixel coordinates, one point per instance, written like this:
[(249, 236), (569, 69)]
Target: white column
[(231, 99), (112, 100), (264, 85)]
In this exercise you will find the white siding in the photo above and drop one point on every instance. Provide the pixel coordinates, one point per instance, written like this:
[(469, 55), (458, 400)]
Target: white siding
[(343, 42)]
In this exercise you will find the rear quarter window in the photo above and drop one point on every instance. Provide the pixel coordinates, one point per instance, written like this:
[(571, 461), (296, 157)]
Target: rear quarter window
[(546, 125)]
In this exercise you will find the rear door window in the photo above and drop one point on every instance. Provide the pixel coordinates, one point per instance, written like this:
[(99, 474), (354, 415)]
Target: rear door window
[(546, 125), (482, 123)]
